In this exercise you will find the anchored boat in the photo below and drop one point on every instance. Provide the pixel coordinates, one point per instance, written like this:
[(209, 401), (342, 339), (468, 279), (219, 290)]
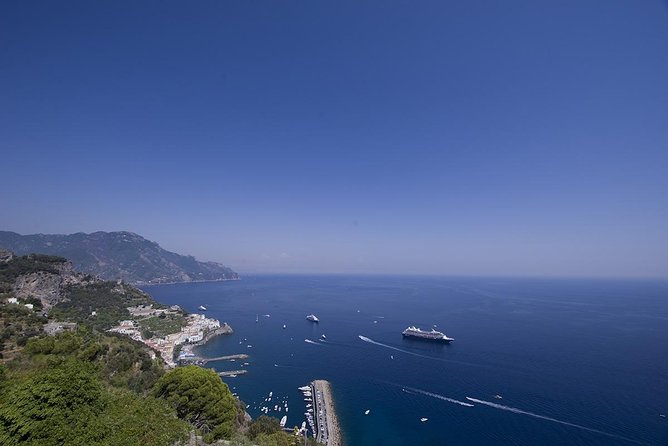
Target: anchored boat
[(432, 335)]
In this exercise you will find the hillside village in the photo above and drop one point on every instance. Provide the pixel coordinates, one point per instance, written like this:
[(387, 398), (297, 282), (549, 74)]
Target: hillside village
[(196, 329)]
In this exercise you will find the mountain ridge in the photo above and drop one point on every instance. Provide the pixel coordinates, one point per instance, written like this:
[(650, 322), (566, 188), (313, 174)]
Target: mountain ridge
[(120, 255)]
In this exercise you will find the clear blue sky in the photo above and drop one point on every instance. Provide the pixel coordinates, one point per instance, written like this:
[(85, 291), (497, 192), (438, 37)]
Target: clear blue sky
[(436, 137)]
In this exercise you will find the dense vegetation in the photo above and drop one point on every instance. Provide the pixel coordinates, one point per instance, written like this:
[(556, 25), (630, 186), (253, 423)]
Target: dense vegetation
[(105, 298), (84, 389), (17, 325), (201, 398), (162, 325), (91, 387)]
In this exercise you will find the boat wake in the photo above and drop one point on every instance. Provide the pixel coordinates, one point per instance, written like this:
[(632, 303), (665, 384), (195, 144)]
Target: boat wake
[(554, 420), (440, 397), (371, 341), (312, 342)]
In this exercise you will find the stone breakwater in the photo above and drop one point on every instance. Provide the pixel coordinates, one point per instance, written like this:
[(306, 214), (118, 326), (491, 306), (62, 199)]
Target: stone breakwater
[(329, 431)]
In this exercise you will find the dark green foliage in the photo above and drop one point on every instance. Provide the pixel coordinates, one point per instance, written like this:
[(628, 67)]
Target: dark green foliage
[(17, 325), (103, 298), (263, 425), (121, 362), (109, 306), (58, 406), (201, 398), (67, 403), (130, 420), (162, 326)]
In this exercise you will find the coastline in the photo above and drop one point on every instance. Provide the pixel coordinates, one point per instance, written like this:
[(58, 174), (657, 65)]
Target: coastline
[(333, 427), (141, 284), (222, 330)]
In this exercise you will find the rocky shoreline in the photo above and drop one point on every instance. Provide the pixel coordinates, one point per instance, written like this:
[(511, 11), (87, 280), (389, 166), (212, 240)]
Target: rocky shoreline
[(223, 330)]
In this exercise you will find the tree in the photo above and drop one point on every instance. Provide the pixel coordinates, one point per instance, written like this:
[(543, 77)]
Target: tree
[(264, 425), (201, 398), (58, 406), (67, 404)]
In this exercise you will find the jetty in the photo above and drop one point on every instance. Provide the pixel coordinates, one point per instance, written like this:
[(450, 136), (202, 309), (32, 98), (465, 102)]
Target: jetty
[(201, 361), (327, 424), (232, 373)]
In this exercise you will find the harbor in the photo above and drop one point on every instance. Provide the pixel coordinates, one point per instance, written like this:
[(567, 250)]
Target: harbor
[(327, 427)]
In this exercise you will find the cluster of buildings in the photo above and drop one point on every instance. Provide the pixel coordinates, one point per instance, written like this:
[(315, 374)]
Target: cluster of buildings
[(196, 328)]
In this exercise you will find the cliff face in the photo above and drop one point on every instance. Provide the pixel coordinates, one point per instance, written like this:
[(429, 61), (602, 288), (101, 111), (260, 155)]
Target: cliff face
[(118, 255), (40, 277), (49, 287)]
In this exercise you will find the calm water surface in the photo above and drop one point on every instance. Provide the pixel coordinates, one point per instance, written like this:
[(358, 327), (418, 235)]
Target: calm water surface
[(578, 362)]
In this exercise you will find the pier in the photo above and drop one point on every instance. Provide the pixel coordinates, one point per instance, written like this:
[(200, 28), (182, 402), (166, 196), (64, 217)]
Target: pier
[(201, 361), (327, 425), (232, 373)]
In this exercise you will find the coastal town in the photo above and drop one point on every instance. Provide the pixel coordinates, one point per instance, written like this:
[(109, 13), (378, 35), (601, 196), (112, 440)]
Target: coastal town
[(178, 334), (173, 334)]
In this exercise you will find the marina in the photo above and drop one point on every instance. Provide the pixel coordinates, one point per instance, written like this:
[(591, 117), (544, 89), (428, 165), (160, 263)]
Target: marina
[(328, 430)]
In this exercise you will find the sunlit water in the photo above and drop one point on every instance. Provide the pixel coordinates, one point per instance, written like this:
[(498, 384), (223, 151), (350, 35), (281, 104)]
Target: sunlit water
[(579, 362)]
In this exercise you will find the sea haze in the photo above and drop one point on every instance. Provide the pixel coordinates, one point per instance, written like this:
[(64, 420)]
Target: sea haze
[(578, 362)]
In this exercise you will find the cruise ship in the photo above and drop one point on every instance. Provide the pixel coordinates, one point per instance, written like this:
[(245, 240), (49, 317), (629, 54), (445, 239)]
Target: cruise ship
[(432, 335)]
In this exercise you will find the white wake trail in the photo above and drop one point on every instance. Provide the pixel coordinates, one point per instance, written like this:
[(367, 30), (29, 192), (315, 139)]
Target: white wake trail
[(554, 420), (440, 397), (371, 341)]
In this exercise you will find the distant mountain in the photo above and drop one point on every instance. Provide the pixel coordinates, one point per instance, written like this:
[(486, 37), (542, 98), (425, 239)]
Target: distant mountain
[(118, 255)]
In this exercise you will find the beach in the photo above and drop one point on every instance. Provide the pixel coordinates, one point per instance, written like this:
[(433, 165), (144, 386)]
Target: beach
[(324, 390)]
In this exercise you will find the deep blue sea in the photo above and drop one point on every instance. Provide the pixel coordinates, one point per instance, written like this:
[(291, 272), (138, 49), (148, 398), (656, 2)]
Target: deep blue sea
[(576, 362)]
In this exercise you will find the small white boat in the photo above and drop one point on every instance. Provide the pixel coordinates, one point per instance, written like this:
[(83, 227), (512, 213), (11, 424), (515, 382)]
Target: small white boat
[(423, 419), (284, 326), (271, 394), (312, 318), (366, 412), (284, 420), (323, 337), (498, 397), (202, 307)]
